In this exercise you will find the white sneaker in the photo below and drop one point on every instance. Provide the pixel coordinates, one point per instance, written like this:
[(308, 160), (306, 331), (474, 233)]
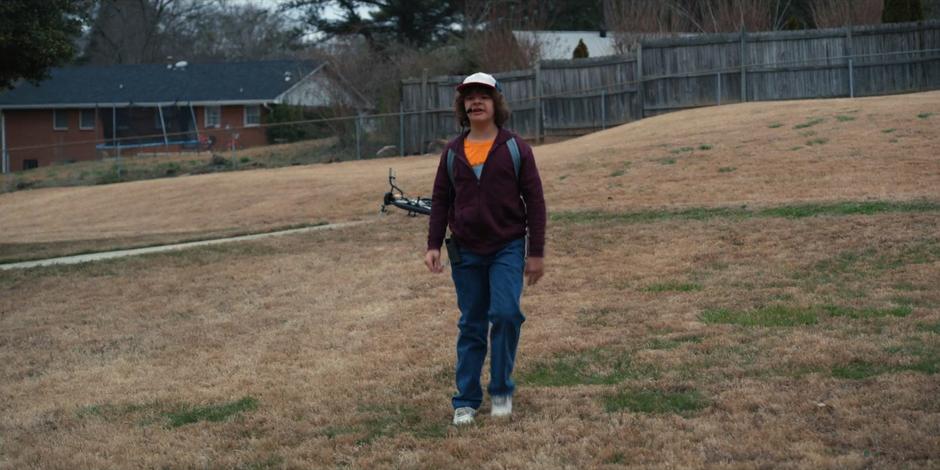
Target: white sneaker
[(464, 416), (501, 405)]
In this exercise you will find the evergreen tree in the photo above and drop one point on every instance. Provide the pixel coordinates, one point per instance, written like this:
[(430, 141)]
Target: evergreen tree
[(900, 11), (575, 15), (932, 9), (580, 51), (415, 22), (33, 39)]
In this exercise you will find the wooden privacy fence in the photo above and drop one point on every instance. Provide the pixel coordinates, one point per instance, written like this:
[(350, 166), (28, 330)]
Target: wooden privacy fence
[(573, 97), (684, 73)]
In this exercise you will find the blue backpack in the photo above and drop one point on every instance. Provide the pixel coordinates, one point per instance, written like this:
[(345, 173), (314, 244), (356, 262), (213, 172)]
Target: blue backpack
[(513, 150)]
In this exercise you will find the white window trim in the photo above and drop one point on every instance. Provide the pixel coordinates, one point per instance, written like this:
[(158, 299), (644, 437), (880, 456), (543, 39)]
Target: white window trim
[(205, 116), (54, 126), (94, 119), (245, 115)]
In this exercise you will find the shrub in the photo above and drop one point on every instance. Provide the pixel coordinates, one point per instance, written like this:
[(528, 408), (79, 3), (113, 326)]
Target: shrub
[(580, 51), (219, 160), (279, 131)]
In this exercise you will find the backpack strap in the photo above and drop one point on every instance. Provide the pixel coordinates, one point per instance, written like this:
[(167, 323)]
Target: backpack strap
[(513, 151), (516, 157), (450, 166)]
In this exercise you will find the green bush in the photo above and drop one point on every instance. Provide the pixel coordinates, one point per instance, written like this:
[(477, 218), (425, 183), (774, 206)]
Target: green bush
[(110, 175), (279, 132), (170, 169)]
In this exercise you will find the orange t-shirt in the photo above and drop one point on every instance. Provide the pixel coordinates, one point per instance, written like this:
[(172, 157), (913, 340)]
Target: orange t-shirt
[(476, 152)]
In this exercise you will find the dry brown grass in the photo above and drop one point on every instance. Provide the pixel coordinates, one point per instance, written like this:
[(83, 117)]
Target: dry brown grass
[(346, 342), (858, 161), (159, 164)]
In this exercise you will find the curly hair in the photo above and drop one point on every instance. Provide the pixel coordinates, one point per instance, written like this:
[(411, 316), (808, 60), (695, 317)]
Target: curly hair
[(501, 110)]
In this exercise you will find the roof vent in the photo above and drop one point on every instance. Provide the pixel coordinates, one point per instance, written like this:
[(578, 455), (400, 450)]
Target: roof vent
[(181, 64), (287, 76)]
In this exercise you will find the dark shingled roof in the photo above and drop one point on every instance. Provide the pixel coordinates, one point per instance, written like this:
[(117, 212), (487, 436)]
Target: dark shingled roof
[(157, 83)]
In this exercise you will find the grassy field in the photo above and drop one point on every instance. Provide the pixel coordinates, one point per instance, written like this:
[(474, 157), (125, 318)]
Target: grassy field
[(720, 293)]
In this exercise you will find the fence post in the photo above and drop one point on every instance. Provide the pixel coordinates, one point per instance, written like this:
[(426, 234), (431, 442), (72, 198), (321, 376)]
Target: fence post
[(603, 109), (851, 52), (192, 113), (114, 140), (851, 80), (641, 95), (423, 124), (358, 145), (117, 141), (718, 80), (401, 128), (232, 136), (5, 155), (743, 65), (166, 140), (537, 71)]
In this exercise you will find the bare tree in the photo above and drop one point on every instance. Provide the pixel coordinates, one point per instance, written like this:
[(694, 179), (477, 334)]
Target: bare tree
[(488, 42), (498, 50), (630, 21), (150, 31), (134, 31), (476, 13), (527, 14), (233, 31), (837, 13), (630, 18), (713, 16), (639, 16)]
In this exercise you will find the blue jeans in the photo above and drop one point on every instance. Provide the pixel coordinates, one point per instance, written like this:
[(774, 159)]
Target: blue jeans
[(488, 292)]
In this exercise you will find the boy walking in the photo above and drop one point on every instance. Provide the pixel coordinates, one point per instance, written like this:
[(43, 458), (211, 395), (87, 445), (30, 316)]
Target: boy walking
[(488, 191)]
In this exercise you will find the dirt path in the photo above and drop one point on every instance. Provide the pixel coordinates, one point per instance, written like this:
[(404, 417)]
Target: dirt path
[(85, 258)]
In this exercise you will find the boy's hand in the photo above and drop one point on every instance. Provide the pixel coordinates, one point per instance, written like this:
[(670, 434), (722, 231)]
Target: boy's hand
[(432, 259), (534, 269)]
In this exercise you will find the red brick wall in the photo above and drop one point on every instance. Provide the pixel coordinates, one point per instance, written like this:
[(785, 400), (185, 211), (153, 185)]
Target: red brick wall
[(34, 128), (234, 117)]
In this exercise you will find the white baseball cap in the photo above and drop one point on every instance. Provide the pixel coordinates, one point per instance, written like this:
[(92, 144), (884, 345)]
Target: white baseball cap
[(479, 78)]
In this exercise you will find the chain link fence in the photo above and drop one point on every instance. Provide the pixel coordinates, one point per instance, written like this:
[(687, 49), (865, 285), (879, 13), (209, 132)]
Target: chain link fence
[(288, 136)]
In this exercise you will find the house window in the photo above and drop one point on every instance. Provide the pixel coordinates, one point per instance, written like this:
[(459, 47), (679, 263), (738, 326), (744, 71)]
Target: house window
[(213, 116), (60, 120), (252, 115), (86, 119), (30, 163)]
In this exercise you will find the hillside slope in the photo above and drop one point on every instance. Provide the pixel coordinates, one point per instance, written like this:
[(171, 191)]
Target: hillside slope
[(757, 152), (659, 338)]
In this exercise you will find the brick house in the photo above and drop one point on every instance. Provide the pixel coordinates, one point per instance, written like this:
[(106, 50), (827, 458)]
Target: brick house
[(92, 112)]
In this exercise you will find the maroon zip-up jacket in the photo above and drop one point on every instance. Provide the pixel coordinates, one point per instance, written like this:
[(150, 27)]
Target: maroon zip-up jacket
[(486, 214)]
